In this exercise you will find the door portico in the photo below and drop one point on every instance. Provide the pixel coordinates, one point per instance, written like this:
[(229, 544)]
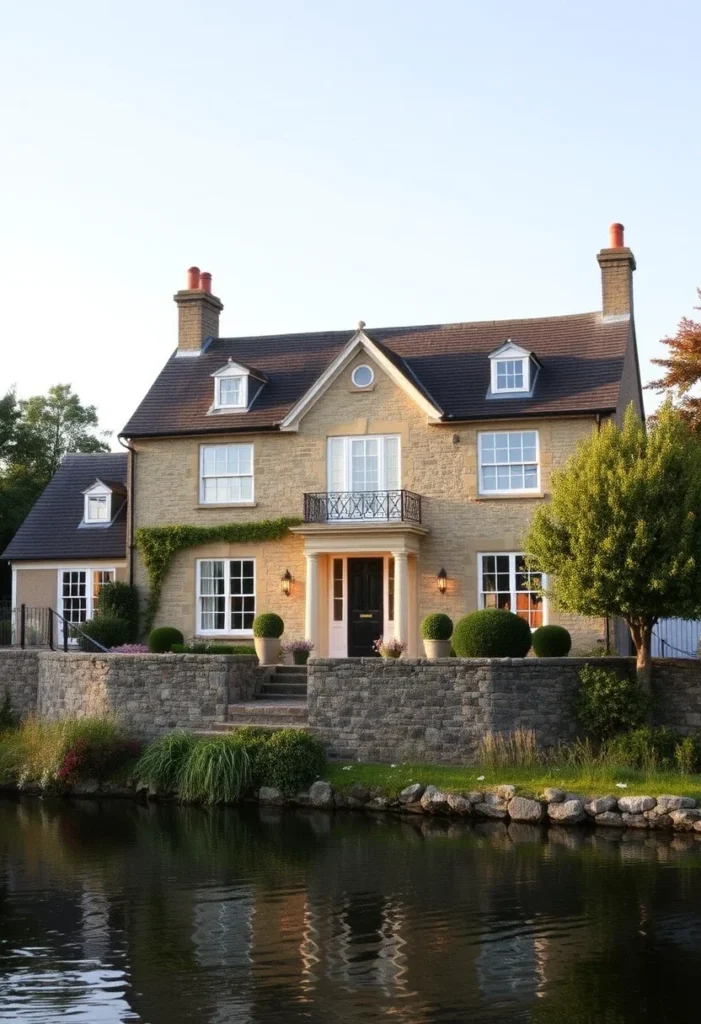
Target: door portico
[(334, 556)]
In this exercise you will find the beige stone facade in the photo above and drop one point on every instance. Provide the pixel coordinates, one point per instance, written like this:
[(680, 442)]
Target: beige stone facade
[(439, 462)]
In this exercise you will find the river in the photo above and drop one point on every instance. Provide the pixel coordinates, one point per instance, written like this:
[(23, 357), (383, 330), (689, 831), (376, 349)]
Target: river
[(115, 912)]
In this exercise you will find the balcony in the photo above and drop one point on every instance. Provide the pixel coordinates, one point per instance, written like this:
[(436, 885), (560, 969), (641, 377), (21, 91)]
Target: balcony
[(362, 506)]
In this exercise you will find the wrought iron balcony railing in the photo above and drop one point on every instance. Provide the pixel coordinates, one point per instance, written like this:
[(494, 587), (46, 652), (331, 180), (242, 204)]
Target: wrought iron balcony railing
[(363, 506)]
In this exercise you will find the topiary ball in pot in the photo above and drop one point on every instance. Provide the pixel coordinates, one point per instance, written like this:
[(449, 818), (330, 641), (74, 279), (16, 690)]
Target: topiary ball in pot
[(552, 642), (161, 640), (267, 630), (436, 631), (492, 633)]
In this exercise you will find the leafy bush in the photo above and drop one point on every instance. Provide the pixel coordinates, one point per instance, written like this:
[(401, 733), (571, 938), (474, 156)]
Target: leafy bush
[(8, 717), (653, 748), (217, 770), (122, 601), (290, 760), (268, 625), (108, 630), (64, 751), (608, 703), (687, 755), (552, 642), (492, 633), (96, 759), (162, 639), (437, 626), (5, 632), (162, 763)]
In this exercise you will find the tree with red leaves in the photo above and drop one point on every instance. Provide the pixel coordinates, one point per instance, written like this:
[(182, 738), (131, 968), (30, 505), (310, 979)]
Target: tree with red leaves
[(683, 369)]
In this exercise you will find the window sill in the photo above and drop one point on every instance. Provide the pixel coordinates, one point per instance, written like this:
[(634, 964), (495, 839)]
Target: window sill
[(519, 496), (227, 504)]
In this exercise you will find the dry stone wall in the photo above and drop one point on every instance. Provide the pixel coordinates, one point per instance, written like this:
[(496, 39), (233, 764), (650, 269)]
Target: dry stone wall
[(19, 677)]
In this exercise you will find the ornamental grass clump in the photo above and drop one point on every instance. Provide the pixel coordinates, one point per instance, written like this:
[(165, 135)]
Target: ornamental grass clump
[(492, 633), (162, 763), (217, 770)]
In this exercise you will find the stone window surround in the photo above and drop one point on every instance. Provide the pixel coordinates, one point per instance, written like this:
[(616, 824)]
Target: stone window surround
[(522, 491), (246, 502)]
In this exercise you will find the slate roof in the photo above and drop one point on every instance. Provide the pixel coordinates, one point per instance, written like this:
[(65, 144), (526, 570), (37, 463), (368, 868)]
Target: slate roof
[(52, 529), (581, 356)]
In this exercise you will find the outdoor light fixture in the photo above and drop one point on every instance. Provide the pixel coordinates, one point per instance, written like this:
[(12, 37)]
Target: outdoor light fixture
[(286, 582), (442, 580)]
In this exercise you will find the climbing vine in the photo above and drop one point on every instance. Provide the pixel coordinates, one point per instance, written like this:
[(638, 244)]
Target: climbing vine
[(160, 544)]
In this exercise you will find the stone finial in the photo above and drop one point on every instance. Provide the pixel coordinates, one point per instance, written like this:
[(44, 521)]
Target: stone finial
[(361, 324)]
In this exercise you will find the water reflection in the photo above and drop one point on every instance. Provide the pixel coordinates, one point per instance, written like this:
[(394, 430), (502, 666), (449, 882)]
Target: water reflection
[(115, 912)]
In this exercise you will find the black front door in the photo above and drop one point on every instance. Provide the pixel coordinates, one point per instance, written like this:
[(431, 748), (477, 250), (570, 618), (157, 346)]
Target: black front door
[(364, 605)]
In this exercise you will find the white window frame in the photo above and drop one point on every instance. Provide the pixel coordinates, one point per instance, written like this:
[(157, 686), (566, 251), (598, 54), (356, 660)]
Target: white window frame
[(90, 596), (508, 491), (227, 631), (347, 460), (231, 370), (525, 371), (228, 444), (363, 366), (97, 491), (512, 556)]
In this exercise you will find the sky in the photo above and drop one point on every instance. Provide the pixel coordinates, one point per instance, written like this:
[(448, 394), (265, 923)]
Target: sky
[(396, 162)]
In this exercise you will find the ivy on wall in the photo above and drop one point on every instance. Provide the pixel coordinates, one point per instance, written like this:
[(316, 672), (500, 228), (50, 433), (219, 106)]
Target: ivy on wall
[(160, 544)]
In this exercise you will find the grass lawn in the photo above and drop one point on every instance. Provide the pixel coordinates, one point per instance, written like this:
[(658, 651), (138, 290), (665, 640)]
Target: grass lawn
[(597, 781)]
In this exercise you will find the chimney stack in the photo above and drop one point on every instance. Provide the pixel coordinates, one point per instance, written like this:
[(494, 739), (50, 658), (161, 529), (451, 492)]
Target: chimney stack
[(617, 265), (198, 312)]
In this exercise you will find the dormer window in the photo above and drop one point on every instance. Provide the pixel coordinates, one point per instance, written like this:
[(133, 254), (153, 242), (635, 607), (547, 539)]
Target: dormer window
[(230, 392), (513, 371), (236, 387), (98, 504)]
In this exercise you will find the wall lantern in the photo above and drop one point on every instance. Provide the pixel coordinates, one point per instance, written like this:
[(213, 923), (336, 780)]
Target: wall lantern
[(286, 583), (442, 578)]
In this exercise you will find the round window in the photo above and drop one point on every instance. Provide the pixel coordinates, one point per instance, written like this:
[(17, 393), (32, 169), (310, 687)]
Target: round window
[(363, 376)]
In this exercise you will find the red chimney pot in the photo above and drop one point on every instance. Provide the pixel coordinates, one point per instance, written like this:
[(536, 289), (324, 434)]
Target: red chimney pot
[(616, 236), (193, 279), (206, 282)]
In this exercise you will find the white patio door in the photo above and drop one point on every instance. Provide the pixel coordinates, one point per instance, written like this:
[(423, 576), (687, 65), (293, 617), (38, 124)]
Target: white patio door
[(78, 593), (361, 472)]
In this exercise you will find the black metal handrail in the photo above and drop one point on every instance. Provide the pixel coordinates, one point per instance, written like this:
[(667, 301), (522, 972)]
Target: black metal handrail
[(23, 626), (362, 506)]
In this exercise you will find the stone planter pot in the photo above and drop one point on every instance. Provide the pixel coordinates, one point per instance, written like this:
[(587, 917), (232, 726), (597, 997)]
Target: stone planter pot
[(267, 649), (300, 657), (384, 653), (437, 648)]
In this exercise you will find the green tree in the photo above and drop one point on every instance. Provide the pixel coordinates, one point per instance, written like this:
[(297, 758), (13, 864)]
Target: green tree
[(35, 434), (622, 533)]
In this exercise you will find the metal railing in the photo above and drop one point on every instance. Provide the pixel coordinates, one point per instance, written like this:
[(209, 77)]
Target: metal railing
[(362, 506), (25, 627)]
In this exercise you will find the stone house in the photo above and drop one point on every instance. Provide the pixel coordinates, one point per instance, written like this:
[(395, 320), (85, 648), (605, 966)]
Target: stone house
[(411, 458)]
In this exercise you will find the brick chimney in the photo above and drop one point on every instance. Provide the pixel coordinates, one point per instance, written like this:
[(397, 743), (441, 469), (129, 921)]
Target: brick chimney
[(617, 265), (198, 312)]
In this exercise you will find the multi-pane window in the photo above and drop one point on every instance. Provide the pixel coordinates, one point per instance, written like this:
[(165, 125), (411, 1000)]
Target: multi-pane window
[(338, 590), (99, 578), (509, 374), (226, 595), (508, 461), (97, 508), (505, 582), (361, 472), (74, 595), (226, 473), (231, 392)]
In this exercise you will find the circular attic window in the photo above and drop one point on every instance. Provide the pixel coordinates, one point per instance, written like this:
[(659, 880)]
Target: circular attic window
[(363, 376)]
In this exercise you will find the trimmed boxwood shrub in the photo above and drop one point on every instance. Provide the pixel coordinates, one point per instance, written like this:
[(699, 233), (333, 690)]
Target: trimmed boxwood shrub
[(437, 626), (269, 626), (492, 633), (108, 630), (552, 642), (162, 639), (121, 599), (213, 649)]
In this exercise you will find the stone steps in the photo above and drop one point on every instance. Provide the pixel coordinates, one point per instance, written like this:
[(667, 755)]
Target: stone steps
[(285, 682), (276, 714)]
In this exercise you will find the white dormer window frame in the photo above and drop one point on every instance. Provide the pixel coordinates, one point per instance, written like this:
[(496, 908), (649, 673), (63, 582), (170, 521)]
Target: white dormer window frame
[(512, 370), (231, 387), (98, 505)]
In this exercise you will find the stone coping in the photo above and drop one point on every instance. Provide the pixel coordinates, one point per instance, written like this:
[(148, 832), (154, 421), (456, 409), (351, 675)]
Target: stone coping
[(607, 660), (161, 659)]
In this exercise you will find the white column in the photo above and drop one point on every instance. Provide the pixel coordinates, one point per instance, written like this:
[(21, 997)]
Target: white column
[(401, 595), (312, 601)]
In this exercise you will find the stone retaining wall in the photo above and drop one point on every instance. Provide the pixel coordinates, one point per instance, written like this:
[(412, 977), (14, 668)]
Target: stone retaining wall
[(149, 693), (414, 709)]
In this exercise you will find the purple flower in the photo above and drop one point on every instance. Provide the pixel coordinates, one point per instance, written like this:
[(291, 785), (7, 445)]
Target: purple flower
[(129, 649)]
